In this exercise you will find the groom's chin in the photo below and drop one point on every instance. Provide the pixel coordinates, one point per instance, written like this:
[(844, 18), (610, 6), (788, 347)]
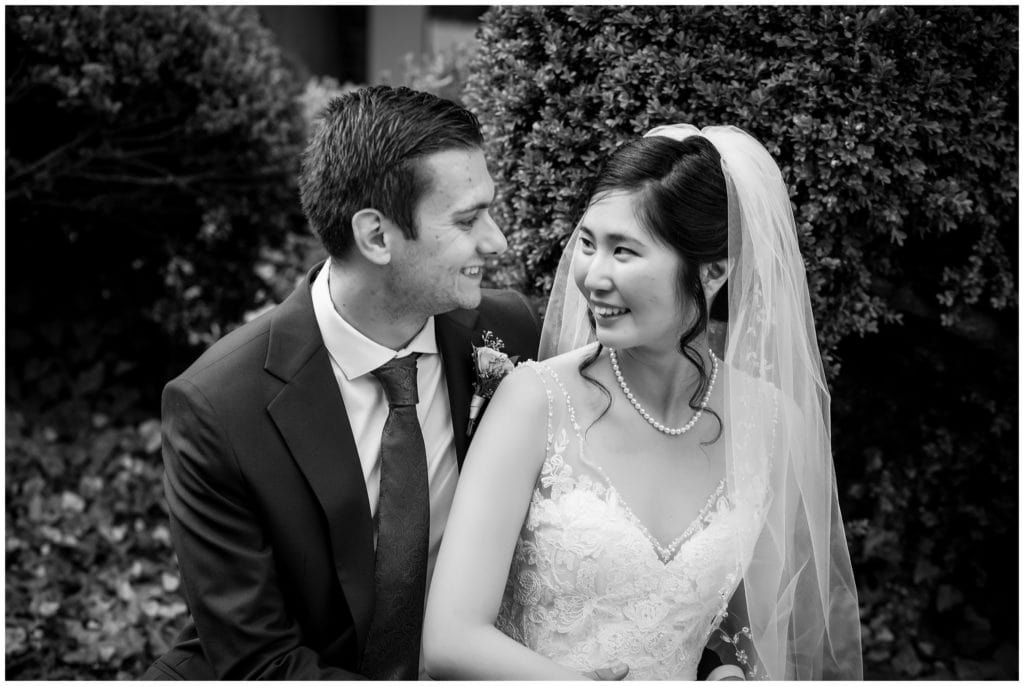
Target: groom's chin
[(469, 299)]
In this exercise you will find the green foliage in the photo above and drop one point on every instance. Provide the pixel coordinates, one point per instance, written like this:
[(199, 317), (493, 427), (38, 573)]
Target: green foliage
[(151, 162), (442, 73), (894, 127), (925, 439), (896, 131), (92, 584)]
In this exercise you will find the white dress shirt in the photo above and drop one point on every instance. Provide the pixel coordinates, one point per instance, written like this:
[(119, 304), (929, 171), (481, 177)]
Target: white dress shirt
[(353, 357)]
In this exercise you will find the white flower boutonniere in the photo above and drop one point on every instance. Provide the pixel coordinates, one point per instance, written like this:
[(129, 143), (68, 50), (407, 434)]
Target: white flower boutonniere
[(491, 365)]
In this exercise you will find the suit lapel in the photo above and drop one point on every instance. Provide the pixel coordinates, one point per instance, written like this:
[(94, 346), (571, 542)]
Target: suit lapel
[(310, 415), (454, 331)]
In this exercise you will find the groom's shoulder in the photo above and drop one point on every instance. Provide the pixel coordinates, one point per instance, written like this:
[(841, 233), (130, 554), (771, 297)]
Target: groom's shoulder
[(510, 314), (244, 348), (501, 300), (507, 305)]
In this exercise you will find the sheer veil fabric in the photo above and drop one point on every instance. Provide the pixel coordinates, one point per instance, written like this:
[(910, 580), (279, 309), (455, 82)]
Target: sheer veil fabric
[(795, 615)]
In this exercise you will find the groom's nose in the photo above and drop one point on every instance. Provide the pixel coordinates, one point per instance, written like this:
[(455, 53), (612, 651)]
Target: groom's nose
[(493, 240)]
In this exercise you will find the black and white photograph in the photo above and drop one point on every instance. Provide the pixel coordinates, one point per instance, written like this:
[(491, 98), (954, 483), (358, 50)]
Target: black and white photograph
[(512, 343)]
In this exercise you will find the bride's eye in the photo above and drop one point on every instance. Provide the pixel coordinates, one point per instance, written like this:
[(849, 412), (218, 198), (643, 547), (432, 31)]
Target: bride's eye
[(586, 245)]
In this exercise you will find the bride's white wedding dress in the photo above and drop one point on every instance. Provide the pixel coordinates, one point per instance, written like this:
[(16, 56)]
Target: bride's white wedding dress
[(589, 585)]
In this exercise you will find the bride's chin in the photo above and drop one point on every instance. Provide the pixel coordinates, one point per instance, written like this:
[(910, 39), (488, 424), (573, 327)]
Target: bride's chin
[(617, 342)]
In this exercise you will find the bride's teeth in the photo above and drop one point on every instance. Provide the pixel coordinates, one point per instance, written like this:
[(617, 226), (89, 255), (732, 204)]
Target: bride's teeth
[(609, 311)]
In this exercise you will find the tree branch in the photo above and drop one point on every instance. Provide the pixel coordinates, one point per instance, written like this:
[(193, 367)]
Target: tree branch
[(49, 157), (974, 326)]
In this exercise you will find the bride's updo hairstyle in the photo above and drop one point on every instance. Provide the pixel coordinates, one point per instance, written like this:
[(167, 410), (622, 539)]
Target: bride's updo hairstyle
[(681, 201)]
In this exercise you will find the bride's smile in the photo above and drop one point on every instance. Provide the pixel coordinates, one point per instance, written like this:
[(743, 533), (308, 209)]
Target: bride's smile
[(629, 278)]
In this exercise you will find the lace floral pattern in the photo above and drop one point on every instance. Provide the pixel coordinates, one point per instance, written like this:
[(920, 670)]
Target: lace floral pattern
[(589, 585)]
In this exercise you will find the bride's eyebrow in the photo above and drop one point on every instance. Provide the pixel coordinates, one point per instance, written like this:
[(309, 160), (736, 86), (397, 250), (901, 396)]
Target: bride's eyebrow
[(612, 236), (615, 237)]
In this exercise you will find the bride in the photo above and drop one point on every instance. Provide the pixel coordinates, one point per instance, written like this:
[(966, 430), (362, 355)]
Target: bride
[(653, 490)]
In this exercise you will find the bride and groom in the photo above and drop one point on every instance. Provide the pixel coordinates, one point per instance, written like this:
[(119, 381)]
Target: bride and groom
[(312, 455)]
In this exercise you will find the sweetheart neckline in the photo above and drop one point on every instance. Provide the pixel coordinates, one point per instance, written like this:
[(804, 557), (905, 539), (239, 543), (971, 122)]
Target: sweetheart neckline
[(619, 505)]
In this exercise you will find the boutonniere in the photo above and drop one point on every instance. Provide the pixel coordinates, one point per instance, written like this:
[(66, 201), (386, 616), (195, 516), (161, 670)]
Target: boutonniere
[(490, 365)]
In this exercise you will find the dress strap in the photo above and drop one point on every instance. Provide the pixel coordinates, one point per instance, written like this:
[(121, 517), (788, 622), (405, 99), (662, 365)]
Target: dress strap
[(543, 373), (562, 436)]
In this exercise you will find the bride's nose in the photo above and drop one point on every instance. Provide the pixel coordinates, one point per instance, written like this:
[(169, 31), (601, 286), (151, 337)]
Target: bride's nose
[(598, 276)]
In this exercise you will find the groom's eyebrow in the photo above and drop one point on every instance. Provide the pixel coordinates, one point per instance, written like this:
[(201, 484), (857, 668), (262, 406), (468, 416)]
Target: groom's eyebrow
[(473, 208)]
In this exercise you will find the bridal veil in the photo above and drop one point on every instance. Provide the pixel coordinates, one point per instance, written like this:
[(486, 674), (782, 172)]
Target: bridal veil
[(795, 614)]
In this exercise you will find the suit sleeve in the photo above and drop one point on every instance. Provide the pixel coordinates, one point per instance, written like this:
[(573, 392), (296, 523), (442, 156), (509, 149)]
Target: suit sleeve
[(708, 661), (227, 566), (717, 653), (530, 315)]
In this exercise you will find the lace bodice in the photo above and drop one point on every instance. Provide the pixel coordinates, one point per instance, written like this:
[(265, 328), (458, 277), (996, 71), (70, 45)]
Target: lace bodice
[(589, 585)]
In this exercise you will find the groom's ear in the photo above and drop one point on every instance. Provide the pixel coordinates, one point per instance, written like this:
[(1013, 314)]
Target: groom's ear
[(370, 235)]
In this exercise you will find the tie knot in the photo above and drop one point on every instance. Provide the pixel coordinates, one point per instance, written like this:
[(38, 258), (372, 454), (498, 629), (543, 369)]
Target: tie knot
[(398, 377)]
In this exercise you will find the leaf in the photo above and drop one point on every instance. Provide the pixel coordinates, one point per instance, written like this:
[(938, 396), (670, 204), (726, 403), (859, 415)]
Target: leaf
[(925, 571), (125, 591), (103, 446), (149, 431), (907, 662), (974, 670), (16, 638), (170, 582), (48, 608), (948, 597), (72, 502), (162, 534), (91, 380)]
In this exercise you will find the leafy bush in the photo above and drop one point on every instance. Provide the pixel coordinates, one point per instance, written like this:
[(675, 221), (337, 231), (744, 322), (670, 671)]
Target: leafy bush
[(92, 584), (896, 131), (443, 73), (895, 128), (151, 204), (151, 161)]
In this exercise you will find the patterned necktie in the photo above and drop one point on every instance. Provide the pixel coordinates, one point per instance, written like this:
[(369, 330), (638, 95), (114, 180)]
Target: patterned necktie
[(403, 530)]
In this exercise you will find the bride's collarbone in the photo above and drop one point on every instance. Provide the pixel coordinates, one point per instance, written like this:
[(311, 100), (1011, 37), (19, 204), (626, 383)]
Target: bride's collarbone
[(664, 480)]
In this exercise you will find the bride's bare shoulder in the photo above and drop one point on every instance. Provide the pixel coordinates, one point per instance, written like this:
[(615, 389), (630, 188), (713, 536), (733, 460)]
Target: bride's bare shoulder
[(567, 365), (581, 377)]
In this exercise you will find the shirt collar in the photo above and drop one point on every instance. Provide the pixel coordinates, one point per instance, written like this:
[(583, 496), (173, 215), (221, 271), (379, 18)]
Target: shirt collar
[(352, 351)]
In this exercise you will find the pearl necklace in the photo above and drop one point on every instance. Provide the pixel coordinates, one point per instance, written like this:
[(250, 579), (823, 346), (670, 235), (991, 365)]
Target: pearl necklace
[(646, 415)]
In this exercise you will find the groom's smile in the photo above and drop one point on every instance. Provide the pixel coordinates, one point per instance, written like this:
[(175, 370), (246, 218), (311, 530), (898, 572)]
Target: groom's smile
[(441, 269)]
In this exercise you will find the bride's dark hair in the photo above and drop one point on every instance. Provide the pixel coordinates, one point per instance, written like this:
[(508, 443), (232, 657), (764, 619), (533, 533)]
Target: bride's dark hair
[(681, 201)]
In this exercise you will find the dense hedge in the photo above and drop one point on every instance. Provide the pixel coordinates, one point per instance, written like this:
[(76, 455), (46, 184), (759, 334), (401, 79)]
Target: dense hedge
[(93, 589), (151, 204), (896, 130), (151, 154)]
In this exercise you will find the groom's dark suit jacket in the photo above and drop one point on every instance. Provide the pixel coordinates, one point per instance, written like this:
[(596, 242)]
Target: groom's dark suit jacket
[(269, 512)]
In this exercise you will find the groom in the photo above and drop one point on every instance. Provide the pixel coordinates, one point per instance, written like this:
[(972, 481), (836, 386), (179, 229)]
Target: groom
[(312, 454)]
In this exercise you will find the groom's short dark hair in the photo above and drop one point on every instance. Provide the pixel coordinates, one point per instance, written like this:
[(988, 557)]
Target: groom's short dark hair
[(364, 153)]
